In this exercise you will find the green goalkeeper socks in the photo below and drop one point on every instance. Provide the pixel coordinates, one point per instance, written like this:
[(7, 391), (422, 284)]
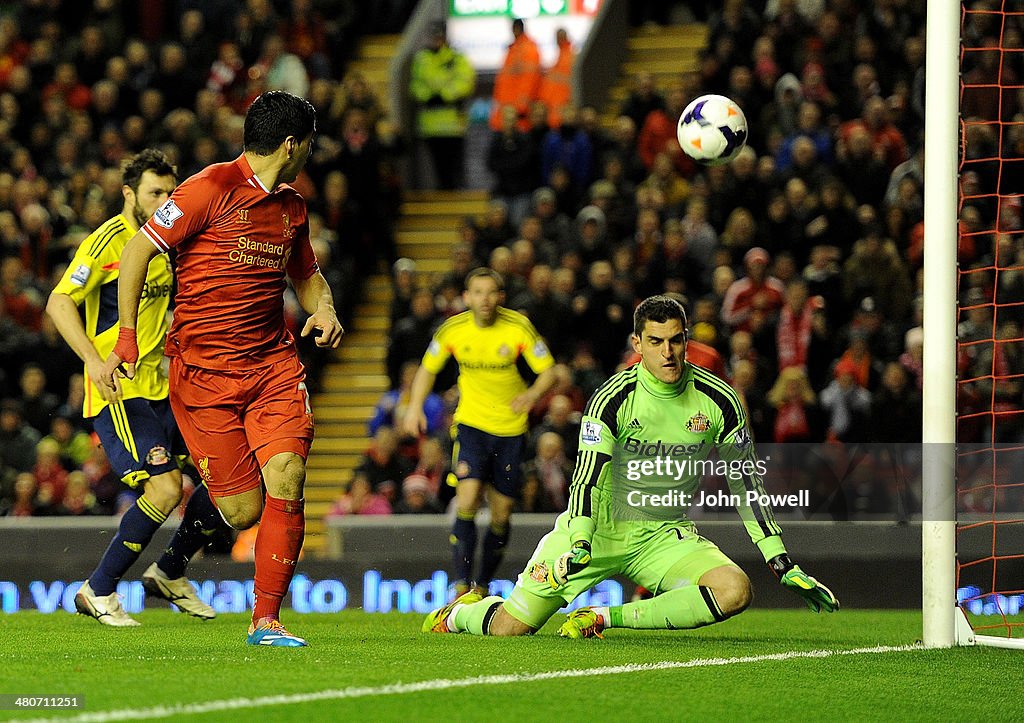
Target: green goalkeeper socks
[(474, 617), (692, 606)]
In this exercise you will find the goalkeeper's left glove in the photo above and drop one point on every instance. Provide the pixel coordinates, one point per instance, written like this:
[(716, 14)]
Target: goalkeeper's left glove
[(572, 562), (817, 596)]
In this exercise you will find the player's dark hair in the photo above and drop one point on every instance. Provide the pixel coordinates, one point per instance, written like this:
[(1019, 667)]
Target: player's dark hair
[(274, 116), (658, 308), (149, 159), (489, 273)]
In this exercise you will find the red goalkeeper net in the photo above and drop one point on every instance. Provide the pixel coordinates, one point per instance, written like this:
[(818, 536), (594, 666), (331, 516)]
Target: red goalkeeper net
[(990, 383)]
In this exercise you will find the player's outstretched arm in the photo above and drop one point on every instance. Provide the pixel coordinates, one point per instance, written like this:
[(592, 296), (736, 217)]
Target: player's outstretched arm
[(135, 258), (816, 595), (414, 423), (315, 297)]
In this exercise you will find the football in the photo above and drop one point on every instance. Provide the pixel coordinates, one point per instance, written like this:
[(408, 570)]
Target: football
[(712, 129)]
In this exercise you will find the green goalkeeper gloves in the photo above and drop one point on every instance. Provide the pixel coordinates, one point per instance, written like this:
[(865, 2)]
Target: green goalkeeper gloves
[(817, 596), (571, 563)]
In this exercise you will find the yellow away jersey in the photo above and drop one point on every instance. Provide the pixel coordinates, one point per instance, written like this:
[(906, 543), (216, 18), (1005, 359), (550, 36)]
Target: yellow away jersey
[(92, 279), (488, 377)]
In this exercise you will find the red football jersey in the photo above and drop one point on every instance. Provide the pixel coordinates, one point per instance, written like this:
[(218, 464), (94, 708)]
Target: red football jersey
[(235, 241)]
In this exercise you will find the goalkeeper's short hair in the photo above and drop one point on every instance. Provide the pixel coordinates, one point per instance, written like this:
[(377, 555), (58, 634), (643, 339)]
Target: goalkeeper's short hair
[(658, 308)]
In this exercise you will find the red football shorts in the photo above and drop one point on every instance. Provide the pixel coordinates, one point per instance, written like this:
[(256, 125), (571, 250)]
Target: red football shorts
[(234, 421)]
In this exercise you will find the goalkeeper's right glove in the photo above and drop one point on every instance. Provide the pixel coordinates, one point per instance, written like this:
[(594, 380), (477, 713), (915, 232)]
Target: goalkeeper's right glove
[(817, 596), (571, 563)]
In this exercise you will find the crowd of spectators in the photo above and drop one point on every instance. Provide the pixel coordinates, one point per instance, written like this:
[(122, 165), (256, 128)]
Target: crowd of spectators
[(800, 262), (83, 86)]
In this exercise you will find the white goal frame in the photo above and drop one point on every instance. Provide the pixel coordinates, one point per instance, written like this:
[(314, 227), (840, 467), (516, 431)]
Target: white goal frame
[(944, 623)]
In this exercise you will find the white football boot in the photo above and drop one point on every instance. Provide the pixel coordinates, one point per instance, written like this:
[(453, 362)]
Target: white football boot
[(178, 591), (106, 609)]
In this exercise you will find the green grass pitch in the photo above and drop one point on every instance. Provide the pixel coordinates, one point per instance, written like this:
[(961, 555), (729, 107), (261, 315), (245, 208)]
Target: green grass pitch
[(380, 667)]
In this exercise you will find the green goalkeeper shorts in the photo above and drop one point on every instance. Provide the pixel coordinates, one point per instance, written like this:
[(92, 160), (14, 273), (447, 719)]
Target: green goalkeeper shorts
[(658, 555)]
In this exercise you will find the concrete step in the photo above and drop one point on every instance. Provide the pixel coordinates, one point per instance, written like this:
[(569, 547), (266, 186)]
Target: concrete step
[(425, 238), (670, 36), (376, 75), (341, 429), (321, 494), (362, 65), (318, 508), (365, 337), (368, 307), (315, 529), (448, 223), (447, 208), (657, 55), (359, 353), (338, 378), (426, 251), (334, 413), (323, 478), (434, 265), (362, 369), (342, 445), (378, 46), (345, 399), (357, 368), (673, 68), (370, 319), (379, 292), (332, 463)]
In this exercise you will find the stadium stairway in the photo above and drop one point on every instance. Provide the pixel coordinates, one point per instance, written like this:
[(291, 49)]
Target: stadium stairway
[(357, 378), (373, 59), (664, 51)]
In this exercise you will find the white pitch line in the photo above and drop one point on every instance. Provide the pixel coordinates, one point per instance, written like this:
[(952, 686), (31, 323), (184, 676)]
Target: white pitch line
[(213, 706)]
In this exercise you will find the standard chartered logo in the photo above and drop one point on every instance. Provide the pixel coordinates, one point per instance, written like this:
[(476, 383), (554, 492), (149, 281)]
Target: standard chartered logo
[(259, 253)]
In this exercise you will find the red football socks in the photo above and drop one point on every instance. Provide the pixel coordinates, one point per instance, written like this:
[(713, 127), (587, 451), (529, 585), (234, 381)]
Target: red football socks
[(278, 544)]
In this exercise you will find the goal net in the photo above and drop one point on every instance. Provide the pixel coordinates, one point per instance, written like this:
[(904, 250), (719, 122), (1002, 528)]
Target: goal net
[(989, 461)]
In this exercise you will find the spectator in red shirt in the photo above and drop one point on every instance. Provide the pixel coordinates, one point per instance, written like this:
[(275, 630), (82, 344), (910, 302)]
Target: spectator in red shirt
[(887, 141), (755, 290), (793, 333), (658, 134), (65, 83), (797, 417)]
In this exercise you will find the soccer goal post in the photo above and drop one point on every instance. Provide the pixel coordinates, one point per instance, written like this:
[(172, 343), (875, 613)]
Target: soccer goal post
[(965, 122), (938, 530)]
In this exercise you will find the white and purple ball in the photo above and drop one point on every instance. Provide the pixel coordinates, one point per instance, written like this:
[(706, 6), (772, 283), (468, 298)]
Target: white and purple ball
[(712, 130)]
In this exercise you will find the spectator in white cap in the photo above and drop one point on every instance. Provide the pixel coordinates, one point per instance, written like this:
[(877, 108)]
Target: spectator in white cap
[(417, 497)]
